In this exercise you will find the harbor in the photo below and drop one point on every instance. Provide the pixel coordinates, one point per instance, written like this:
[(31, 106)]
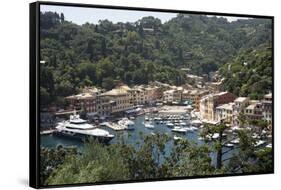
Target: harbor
[(178, 126)]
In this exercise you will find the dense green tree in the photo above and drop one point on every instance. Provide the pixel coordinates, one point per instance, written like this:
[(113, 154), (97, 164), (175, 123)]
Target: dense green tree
[(250, 73), (249, 159), (122, 161)]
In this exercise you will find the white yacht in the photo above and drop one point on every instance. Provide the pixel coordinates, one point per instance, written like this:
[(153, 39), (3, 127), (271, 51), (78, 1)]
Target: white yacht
[(176, 138), (235, 141), (126, 123), (183, 124), (229, 145), (79, 128), (148, 125), (259, 143), (269, 146), (196, 123), (190, 129), (169, 124), (179, 130)]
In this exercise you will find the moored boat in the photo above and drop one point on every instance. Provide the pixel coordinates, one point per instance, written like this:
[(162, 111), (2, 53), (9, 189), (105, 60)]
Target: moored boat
[(169, 124), (126, 123), (179, 130), (79, 129), (176, 138), (148, 125), (229, 145)]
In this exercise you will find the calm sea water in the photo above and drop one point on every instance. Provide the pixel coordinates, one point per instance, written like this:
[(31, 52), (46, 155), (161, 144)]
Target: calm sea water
[(130, 137)]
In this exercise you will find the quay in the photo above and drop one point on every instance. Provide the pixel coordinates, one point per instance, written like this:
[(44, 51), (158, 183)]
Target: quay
[(113, 126), (173, 109)]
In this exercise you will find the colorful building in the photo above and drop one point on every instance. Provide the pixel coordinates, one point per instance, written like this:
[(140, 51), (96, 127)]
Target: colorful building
[(87, 100), (114, 101), (209, 103)]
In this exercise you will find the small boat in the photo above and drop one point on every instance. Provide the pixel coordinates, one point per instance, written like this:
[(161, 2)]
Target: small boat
[(229, 130), (126, 123), (183, 123), (269, 146), (169, 124), (269, 136), (235, 141), (215, 136), (236, 128), (196, 122), (255, 136), (193, 128), (148, 125), (188, 129), (157, 118), (176, 138), (179, 130), (229, 145), (201, 138), (259, 143)]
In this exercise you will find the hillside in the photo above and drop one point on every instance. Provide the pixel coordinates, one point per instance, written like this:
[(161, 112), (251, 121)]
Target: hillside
[(147, 50), (250, 73)]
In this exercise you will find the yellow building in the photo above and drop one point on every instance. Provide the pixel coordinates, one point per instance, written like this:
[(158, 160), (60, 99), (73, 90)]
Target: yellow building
[(114, 101)]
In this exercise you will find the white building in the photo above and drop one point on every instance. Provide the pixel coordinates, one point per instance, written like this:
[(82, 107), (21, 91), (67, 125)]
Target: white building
[(225, 112), (240, 104), (267, 107), (168, 96)]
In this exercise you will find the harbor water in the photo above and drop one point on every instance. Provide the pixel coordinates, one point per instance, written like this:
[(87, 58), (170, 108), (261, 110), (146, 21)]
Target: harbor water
[(131, 136)]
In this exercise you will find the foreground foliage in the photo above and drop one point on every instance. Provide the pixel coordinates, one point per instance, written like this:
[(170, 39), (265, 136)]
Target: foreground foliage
[(151, 159)]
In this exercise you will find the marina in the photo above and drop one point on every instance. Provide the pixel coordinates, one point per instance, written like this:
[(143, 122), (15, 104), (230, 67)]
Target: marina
[(132, 128), (163, 120)]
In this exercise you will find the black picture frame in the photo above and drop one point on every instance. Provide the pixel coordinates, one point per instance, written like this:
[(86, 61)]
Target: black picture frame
[(34, 93)]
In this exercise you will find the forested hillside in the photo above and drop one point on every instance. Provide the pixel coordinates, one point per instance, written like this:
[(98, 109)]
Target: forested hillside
[(250, 73), (148, 50)]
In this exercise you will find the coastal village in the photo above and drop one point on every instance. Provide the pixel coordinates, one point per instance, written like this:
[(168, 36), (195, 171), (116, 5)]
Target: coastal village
[(203, 100)]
